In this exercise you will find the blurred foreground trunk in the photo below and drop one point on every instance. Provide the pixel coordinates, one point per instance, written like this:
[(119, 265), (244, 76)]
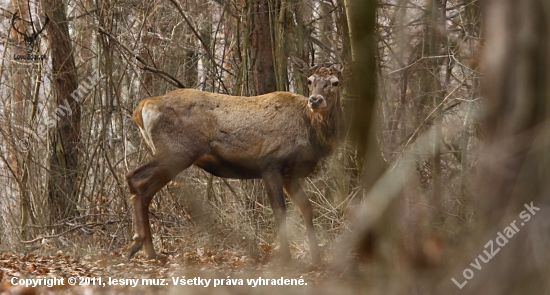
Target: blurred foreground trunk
[(513, 187), (505, 250)]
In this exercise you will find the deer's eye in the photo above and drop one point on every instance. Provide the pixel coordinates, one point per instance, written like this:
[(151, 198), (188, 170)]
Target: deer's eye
[(309, 82), (335, 83)]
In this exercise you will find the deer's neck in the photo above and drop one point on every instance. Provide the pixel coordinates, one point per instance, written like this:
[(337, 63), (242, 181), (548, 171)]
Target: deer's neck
[(325, 129)]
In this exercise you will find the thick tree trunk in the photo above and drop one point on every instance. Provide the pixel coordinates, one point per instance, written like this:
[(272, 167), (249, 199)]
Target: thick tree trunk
[(282, 23), (361, 15), (302, 44), (261, 49), (65, 137)]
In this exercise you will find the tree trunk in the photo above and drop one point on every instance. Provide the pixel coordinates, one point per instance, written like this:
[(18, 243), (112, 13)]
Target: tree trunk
[(282, 24), (18, 119), (302, 43), (65, 137), (261, 50), (361, 15)]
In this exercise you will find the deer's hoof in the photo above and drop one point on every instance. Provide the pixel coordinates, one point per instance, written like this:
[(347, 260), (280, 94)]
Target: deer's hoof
[(136, 246)]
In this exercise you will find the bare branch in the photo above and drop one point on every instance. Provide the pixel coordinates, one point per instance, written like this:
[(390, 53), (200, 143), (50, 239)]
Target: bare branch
[(164, 75)]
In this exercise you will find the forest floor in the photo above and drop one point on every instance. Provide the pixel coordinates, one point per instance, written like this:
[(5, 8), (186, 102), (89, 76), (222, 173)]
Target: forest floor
[(197, 272)]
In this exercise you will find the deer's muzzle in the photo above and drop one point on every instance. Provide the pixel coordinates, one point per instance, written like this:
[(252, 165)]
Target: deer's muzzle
[(317, 102)]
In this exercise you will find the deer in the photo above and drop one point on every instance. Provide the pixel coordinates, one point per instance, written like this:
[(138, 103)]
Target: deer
[(278, 137)]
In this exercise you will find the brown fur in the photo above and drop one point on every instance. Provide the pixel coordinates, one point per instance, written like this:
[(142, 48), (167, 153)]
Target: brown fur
[(278, 137)]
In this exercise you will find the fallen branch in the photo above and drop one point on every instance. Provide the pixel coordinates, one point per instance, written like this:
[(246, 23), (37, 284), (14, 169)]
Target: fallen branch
[(40, 238)]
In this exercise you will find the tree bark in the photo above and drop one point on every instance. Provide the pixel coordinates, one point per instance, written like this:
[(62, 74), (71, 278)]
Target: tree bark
[(261, 49), (282, 24), (302, 43), (361, 15), (20, 93), (65, 137)]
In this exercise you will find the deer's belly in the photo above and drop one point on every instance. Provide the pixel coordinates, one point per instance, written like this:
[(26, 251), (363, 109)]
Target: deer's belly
[(253, 168), (222, 168)]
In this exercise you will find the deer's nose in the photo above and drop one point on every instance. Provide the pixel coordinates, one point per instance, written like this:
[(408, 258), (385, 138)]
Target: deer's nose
[(316, 101)]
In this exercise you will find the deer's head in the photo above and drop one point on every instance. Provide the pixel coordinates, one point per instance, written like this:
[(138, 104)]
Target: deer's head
[(323, 87)]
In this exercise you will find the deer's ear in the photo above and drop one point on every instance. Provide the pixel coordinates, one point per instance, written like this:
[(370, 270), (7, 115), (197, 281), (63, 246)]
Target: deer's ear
[(339, 70), (301, 66)]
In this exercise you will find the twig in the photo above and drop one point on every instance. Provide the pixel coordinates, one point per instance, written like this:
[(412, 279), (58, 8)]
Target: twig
[(206, 47), (166, 76), (230, 187), (203, 43)]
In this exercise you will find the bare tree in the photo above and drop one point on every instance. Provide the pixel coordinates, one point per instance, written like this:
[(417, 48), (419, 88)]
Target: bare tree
[(65, 138)]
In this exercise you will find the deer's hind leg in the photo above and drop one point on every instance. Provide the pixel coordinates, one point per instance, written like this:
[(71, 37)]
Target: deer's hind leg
[(144, 182)]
